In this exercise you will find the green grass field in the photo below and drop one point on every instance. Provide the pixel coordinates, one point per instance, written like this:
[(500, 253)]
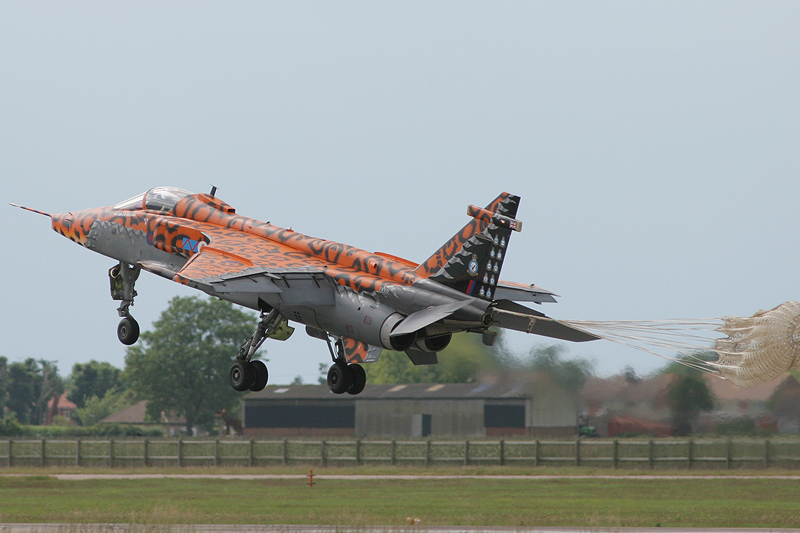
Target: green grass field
[(678, 502)]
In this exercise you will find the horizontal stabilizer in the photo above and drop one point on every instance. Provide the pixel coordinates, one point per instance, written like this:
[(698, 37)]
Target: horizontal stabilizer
[(520, 292), (509, 315), (425, 317)]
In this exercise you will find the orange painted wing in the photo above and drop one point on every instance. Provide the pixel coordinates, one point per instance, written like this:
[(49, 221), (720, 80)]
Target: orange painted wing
[(231, 254)]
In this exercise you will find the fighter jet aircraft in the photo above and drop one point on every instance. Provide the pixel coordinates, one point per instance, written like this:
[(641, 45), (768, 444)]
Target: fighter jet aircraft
[(359, 302)]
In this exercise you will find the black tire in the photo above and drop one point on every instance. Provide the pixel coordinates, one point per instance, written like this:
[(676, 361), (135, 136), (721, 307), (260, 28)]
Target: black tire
[(242, 375), (359, 379), (261, 375), (128, 331), (339, 378)]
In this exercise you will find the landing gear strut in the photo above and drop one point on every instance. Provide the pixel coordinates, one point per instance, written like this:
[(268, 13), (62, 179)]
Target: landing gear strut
[(123, 279), (343, 377), (247, 374)]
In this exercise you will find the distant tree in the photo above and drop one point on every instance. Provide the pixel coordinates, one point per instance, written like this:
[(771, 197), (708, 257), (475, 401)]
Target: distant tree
[(570, 374), (96, 409), (31, 386), (461, 362), (630, 375), (91, 379), (3, 385), (688, 394), (182, 365)]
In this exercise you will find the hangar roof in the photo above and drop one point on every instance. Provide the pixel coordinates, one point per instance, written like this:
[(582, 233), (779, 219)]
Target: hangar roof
[(411, 391)]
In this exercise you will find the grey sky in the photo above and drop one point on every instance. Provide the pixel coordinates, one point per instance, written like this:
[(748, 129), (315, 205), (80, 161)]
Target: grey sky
[(656, 147)]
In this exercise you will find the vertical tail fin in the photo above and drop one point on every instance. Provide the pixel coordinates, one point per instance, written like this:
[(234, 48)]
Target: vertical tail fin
[(471, 260)]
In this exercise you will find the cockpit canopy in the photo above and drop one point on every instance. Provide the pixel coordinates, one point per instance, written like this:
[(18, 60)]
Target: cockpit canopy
[(156, 199)]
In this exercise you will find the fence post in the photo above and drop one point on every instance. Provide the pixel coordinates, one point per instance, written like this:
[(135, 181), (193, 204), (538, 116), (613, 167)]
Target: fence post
[(690, 451), (394, 452), (111, 453), (766, 453), (322, 453), (728, 452), (78, 452), (615, 454), (466, 452), (577, 452), (358, 452), (536, 453), (650, 456), (145, 459), (285, 452), (252, 457), (502, 451), (427, 453), (180, 452), (44, 454)]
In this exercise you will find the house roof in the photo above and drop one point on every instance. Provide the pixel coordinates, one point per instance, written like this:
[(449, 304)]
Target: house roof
[(725, 390), (411, 391), (135, 414), (63, 403), (604, 390)]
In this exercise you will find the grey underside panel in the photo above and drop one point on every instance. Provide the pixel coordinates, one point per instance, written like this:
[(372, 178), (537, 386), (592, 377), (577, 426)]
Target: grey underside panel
[(294, 287)]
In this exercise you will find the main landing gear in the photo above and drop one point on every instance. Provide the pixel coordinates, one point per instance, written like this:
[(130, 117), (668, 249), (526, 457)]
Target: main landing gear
[(123, 278), (248, 374), (343, 377)]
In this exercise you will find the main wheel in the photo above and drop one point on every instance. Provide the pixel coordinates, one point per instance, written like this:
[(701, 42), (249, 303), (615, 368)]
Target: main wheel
[(339, 378), (261, 375), (242, 375), (359, 379), (128, 331)]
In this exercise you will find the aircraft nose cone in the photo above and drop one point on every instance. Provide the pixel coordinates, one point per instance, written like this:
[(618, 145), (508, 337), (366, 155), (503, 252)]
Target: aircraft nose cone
[(71, 225)]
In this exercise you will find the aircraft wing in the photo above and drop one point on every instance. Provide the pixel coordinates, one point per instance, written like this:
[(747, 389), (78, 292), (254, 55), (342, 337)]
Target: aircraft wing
[(241, 263)]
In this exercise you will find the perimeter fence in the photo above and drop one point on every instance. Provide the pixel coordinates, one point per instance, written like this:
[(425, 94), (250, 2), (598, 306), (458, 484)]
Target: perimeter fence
[(655, 453)]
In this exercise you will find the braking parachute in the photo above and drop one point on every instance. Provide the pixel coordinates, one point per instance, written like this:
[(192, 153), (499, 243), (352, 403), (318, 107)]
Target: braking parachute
[(752, 350)]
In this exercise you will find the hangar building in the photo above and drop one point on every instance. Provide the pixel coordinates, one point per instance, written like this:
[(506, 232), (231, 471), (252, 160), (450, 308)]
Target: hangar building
[(413, 410)]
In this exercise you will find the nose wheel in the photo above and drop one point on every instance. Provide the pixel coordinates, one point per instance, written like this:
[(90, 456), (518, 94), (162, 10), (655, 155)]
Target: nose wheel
[(128, 330), (123, 278)]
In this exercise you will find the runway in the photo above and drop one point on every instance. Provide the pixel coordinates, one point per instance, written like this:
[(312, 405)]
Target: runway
[(404, 477), (238, 528)]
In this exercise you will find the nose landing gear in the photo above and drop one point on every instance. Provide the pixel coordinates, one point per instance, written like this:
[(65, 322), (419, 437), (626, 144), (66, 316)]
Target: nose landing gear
[(123, 278)]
